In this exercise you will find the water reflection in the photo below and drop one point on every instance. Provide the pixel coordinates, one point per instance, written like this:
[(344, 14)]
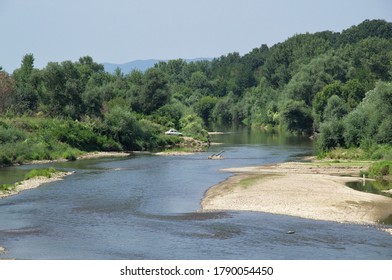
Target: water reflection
[(376, 187)]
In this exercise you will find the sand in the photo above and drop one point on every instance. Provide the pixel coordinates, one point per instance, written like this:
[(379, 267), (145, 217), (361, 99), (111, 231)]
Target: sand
[(308, 190)]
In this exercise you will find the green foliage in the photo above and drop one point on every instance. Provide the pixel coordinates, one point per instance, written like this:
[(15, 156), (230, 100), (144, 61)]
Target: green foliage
[(297, 117), (123, 127), (25, 98), (372, 118), (153, 92), (224, 112), (325, 82), (192, 125), (205, 106), (381, 168), (11, 134), (7, 187), (331, 135), (354, 91), (169, 115), (321, 98), (335, 110), (44, 172), (368, 28)]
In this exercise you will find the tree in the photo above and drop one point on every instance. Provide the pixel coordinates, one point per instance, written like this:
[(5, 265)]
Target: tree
[(331, 135), (320, 100), (26, 93), (205, 106), (224, 110), (64, 89), (371, 119), (123, 127), (311, 78), (297, 117), (154, 91), (336, 109), (6, 89), (368, 28), (354, 91)]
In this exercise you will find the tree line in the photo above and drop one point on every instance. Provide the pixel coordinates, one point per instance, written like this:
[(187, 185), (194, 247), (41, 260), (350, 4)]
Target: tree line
[(336, 85)]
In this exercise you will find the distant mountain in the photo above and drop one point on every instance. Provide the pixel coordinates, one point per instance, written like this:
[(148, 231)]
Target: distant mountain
[(141, 65)]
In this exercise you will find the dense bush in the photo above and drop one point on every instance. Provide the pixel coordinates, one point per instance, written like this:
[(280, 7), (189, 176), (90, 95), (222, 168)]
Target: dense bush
[(382, 168)]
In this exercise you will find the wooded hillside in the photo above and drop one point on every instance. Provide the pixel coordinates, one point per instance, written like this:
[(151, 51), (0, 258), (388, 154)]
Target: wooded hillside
[(335, 85)]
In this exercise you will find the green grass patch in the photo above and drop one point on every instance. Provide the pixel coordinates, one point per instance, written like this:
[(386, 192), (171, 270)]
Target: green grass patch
[(381, 169), (45, 172), (7, 187), (249, 181)]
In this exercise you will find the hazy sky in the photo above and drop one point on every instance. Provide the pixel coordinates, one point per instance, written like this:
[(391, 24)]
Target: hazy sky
[(119, 31)]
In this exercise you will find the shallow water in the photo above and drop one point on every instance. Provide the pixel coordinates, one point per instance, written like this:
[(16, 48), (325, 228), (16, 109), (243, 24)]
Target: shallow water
[(146, 207), (370, 187)]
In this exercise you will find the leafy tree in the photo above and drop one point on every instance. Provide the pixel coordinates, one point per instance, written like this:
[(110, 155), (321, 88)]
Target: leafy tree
[(297, 117), (169, 115), (371, 119), (366, 29), (370, 59), (174, 69), (154, 92), (321, 98), (25, 92), (63, 89), (354, 91), (205, 107), (123, 127), (311, 78), (6, 89), (331, 135), (199, 81), (336, 109), (224, 110)]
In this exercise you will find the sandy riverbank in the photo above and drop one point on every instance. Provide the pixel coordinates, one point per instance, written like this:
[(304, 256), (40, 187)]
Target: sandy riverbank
[(312, 190), (34, 183)]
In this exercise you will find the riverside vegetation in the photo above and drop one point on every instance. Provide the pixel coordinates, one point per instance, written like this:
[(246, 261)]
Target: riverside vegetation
[(43, 172), (333, 85)]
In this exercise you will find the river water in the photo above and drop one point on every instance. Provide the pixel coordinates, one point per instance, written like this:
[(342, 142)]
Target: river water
[(147, 207)]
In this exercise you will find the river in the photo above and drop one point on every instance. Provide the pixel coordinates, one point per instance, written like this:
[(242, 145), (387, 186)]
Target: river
[(147, 207)]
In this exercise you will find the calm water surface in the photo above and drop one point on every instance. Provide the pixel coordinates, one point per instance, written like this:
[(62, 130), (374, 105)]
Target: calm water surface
[(146, 207)]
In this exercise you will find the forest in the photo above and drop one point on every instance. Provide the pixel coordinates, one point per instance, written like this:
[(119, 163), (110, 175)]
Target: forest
[(333, 86)]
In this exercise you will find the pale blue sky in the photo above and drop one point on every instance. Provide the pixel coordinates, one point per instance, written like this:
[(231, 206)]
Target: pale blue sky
[(119, 31)]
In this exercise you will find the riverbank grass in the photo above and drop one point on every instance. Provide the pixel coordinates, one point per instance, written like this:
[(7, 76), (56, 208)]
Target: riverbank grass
[(8, 187), (42, 172)]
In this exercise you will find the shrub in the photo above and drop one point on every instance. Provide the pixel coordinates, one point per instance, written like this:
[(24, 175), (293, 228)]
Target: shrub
[(192, 125), (331, 135), (11, 135), (381, 168)]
